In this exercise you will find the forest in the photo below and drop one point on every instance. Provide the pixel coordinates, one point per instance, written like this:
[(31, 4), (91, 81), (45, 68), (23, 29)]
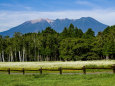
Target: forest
[(71, 44)]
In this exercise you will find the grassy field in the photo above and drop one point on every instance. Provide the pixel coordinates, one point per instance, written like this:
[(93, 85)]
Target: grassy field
[(47, 79), (55, 65), (57, 80)]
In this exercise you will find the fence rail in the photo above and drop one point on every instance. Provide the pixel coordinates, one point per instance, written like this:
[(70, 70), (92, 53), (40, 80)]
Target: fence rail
[(60, 69)]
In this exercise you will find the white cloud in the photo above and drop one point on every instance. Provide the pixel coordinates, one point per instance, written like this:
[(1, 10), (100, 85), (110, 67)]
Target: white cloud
[(10, 19), (87, 3), (84, 3)]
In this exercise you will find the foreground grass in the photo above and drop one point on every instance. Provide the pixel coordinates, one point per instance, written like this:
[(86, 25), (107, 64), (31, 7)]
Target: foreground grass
[(55, 65), (57, 80)]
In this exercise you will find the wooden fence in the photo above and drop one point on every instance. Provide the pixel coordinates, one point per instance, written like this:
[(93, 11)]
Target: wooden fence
[(59, 69)]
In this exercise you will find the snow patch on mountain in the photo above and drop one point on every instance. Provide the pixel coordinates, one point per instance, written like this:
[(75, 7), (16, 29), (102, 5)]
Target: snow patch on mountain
[(41, 20)]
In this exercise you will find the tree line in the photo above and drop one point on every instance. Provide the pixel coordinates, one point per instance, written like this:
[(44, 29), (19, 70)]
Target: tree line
[(69, 45)]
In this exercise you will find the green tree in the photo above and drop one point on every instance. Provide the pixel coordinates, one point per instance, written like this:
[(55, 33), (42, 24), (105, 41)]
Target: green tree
[(71, 31), (89, 33), (64, 33)]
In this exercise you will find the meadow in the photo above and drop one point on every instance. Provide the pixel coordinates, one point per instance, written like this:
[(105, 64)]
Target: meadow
[(55, 64), (50, 79), (57, 80)]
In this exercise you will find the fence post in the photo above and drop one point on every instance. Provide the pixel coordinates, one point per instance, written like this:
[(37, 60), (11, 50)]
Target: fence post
[(84, 70), (9, 71), (113, 67), (23, 71), (60, 70), (40, 70)]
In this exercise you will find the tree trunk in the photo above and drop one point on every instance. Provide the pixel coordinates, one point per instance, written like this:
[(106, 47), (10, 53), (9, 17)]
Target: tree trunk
[(3, 56), (47, 58), (35, 58), (20, 57), (23, 54), (0, 58), (60, 59), (55, 58), (35, 53), (107, 57), (11, 56), (38, 57), (101, 57), (29, 58), (15, 54)]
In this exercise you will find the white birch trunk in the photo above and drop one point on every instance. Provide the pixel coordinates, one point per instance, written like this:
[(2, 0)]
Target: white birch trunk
[(15, 53), (11, 56), (107, 57), (20, 57), (3, 56), (23, 54)]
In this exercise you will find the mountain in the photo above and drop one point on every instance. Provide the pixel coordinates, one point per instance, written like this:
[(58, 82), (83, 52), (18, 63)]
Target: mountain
[(40, 24)]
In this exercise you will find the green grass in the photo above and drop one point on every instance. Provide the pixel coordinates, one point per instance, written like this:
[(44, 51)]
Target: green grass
[(58, 80), (48, 79)]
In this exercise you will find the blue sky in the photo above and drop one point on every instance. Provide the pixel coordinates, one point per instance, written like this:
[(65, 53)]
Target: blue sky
[(55, 5), (15, 12)]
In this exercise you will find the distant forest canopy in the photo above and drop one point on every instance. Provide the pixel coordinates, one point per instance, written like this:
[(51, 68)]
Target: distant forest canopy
[(69, 45)]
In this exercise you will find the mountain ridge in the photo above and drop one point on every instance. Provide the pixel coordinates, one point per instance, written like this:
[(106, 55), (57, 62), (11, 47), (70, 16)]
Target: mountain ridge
[(58, 24)]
